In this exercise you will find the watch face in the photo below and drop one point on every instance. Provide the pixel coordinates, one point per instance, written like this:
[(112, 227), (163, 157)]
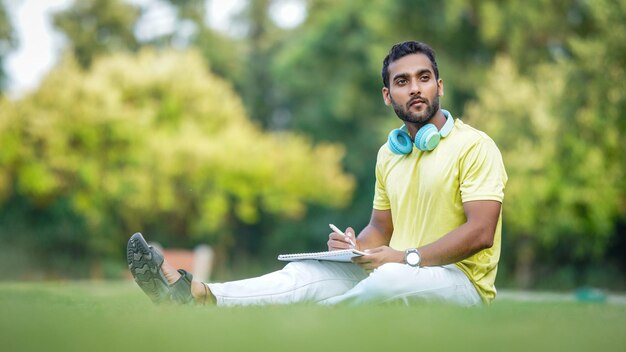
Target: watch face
[(412, 258)]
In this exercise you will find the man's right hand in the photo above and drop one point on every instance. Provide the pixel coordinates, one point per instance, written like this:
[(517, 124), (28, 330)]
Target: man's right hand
[(337, 241)]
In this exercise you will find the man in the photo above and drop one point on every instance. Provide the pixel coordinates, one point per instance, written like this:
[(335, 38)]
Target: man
[(435, 227)]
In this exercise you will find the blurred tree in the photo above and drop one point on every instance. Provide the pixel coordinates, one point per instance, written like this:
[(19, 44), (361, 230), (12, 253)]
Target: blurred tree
[(149, 142), (257, 87), (8, 41), (594, 107), (189, 20), (97, 27), (560, 127), (545, 79), (517, 112), (224, 54), (328, 86), (193, 10)]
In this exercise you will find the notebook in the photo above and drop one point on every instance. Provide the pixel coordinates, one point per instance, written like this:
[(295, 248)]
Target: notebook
[(344, 255)]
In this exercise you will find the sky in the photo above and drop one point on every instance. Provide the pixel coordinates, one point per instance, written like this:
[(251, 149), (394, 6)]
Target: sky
[(40, 44)]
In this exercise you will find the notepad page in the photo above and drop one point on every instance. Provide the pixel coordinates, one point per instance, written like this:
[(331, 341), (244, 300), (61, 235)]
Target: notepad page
[(344, 255)]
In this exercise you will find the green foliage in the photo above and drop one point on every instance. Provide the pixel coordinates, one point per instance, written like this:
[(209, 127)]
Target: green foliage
[(544, 78), (190, 9), (515, 111), (559, 126), (98, 27), (596, 100), (532, 33), (329, 87), (8, 41), (153, 141)]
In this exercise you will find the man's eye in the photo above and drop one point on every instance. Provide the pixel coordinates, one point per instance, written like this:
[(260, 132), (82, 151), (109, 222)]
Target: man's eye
[(401, 82), (425, 78)]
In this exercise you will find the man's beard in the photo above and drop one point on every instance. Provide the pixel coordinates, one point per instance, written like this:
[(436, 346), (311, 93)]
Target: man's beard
[(423, 117)]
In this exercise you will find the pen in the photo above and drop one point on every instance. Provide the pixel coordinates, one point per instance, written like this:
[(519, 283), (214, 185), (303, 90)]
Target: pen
[(334, 228)]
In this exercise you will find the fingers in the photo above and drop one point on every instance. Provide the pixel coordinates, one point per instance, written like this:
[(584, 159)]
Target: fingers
[(337, 241), (364, 263), (372, 260), (351, 235), (348, 238)]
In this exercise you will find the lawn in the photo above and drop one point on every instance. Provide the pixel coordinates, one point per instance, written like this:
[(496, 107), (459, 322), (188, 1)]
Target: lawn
[(116, 316)]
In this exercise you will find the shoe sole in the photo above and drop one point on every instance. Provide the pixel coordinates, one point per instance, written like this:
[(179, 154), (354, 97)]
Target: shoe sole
[(145, 265)]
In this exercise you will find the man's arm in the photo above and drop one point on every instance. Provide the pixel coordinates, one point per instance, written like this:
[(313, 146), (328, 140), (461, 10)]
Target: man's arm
[(476, 234), (377, 233)]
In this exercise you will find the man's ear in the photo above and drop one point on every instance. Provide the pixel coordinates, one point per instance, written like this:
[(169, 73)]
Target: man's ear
[(386, 96), (440, 87)]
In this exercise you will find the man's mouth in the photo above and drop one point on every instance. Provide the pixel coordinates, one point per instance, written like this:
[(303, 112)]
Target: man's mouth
[(416, 102)]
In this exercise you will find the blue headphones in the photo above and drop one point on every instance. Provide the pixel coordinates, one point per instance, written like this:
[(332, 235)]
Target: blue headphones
[(426, 139)]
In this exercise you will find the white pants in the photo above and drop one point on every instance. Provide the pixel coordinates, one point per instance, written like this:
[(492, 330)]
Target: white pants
[(328, 282)]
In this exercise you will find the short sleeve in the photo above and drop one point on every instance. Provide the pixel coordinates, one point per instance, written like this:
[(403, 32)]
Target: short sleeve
[(482, 174)]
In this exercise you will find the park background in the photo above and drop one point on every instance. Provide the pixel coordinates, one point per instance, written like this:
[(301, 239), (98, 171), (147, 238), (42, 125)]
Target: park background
[(253, 140)]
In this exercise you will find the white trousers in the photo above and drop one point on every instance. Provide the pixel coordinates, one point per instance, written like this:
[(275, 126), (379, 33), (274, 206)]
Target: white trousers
[(328, 282)]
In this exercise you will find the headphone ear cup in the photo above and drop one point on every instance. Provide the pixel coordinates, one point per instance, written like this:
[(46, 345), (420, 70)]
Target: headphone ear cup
[(427, 138), (400, 142)]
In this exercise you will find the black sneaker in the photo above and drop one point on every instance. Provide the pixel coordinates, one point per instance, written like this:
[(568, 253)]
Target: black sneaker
[(144, 262)]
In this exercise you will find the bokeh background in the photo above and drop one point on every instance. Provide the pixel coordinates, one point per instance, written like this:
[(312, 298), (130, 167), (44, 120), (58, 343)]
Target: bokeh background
[(251, 130)]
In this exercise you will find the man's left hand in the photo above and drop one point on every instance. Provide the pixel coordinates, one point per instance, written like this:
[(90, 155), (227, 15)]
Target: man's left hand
[(378, 256)]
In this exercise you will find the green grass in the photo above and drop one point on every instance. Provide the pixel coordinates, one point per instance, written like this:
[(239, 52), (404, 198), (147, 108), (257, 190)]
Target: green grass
[(117, 316)]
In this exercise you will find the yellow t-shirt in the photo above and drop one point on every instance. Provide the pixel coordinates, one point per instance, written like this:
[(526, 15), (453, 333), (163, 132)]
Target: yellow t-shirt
[(426, 191)]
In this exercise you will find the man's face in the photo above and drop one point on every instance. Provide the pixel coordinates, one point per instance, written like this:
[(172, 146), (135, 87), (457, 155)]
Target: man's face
[(413, 89)]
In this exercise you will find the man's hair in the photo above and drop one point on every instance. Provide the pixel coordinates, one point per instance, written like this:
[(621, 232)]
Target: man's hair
[(406, 48)]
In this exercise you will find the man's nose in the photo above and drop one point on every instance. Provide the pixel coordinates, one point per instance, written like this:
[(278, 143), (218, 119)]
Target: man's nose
[(415, 88)]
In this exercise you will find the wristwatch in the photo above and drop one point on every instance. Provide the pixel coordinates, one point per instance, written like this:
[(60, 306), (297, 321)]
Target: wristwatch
[(412, 257)]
